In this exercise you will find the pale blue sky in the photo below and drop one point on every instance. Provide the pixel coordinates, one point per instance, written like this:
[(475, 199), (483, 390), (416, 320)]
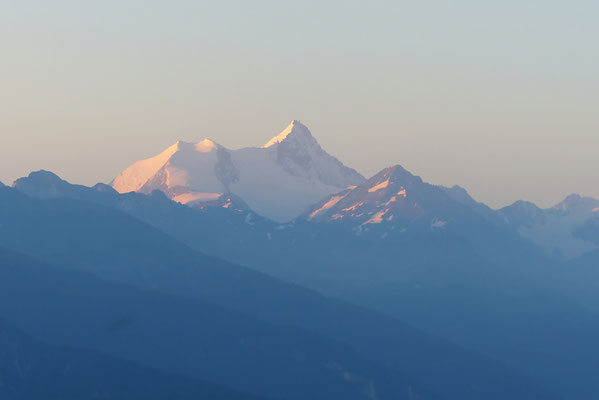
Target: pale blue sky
[(500, 97)]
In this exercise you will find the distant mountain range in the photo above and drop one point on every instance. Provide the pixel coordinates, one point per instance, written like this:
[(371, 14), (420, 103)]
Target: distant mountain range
[(291, 173)]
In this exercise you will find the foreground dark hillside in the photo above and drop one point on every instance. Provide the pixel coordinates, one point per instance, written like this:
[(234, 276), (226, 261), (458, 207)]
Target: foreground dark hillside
[(186, 336), (33, 370)]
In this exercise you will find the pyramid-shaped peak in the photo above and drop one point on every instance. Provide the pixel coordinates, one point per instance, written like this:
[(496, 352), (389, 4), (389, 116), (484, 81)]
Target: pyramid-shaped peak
[(576, 202), (571, 201), (294, 129), (397, 173)]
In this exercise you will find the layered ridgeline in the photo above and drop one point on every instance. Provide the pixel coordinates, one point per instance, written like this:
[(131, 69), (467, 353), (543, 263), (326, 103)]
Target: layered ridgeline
[(428, 255), (443, 262), (212, 319), (292, 173), (278, 180)]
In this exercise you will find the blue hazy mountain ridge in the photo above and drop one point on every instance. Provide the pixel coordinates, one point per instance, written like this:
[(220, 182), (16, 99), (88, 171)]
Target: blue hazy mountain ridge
[(121, 248), (232, 232), (394, 225), (242, 236), (394, 204), (482, 285), (32, 370), (185, 336), (440, 279)]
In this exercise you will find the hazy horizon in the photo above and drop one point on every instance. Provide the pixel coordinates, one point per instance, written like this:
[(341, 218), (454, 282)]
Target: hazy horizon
[(498, 98)]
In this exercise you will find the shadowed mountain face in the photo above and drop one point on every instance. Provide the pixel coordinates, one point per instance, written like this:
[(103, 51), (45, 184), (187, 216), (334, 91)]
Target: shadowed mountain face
[(123, 249), (32, 370), (460, 195)]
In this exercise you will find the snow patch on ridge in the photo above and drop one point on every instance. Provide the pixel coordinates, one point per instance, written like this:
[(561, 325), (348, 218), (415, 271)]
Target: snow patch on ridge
[(438, 223), (329, 204), (206, 146), (191, 197), (283, 135), (376, 218), (379, 186), (354, 207)]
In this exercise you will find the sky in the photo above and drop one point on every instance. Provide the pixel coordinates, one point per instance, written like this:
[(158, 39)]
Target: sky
[(498, 97)]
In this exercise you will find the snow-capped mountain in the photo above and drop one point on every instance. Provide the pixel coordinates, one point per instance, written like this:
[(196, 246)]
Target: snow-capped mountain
[(278, 180), (570, 228), (392, 199)]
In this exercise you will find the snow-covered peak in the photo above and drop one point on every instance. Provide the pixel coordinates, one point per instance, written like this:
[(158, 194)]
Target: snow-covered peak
[(278, 180), (206, 146), (133, 178), (299, 154), (295, 130), (203, 146), (393, 197)]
